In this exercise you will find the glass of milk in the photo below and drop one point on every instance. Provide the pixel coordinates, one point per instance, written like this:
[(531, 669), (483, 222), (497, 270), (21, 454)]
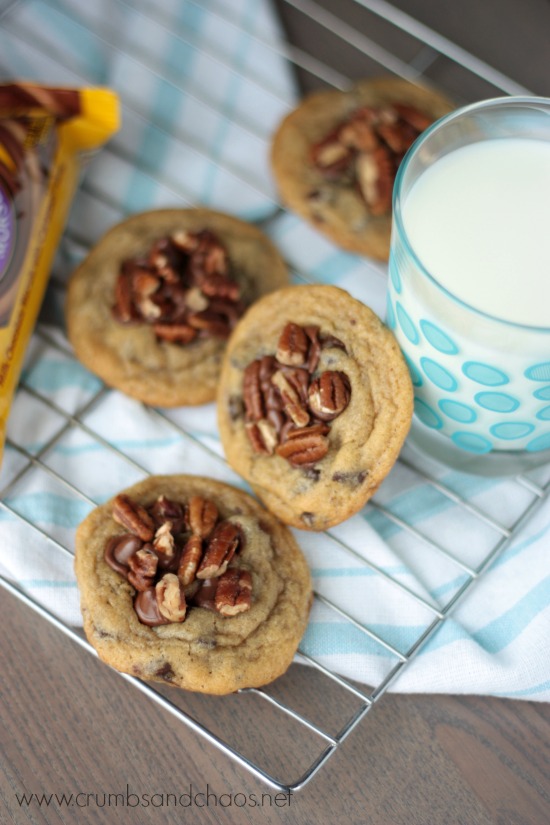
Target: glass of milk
[(469, 285)]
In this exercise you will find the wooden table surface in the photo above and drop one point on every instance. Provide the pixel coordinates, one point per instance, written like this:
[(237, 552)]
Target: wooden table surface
[(69, 725)]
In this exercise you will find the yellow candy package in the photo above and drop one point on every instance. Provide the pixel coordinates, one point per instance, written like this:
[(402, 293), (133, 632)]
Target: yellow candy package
[(46, 135)]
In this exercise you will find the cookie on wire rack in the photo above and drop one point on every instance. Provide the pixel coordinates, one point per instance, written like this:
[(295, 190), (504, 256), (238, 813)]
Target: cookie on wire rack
[(150, 308), (191, 582), (336, 155), (314, 403)]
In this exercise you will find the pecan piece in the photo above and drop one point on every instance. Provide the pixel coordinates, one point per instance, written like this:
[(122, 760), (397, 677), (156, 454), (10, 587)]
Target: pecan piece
[(255, 437), (359, 134), (184, 240), (329, 395), (164, 540), (144, 282), (331, 156), (305, 446), (252, 393), (175, 333), (135, 518), (124, 310), (262, 435), (314, 348), (202, 516), (410, 114), (375, 173), (164, 509), (234, 592), (219, 286), (190, 560), (209, 322), (292, 403), (293, 346), (398, 136), (195, 300), (143, 567), (220, 550), (171, 598)]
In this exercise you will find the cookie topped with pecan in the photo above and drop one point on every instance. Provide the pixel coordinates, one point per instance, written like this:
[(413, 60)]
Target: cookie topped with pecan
[(189, 581), (314, 404), (149, 310), (335, 157), (287, 406)]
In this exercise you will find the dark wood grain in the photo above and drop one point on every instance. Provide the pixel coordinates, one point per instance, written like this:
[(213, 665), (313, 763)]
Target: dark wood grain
[(70, 725)]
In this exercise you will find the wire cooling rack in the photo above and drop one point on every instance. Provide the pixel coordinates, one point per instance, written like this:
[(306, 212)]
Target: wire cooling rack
[(285, 703)]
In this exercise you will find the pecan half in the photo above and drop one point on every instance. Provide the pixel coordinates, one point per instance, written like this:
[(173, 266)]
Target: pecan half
[(293, 346), (202, 516), (305, 446), (234, 592), (329, 395), (142, 569), (220, 550), (190, 560), (134, 517), (171, 598)]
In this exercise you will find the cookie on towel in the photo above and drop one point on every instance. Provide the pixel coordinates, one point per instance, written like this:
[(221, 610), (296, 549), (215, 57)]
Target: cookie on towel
[(314, 403), (191, 582), (335, 157), (149, 310)]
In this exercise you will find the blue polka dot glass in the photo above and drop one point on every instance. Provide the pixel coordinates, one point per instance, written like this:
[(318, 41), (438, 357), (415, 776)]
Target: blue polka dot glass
[(481, 384)]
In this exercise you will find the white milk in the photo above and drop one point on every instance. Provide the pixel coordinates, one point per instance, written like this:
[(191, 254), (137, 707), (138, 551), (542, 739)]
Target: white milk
[(479, 221)]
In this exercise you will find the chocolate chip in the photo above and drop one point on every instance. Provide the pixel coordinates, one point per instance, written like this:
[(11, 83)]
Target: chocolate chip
[(119, 550), (209, 644), (308, 518), (235, 407), (165, 672), (312, 473), (146, 607), (352, 479)]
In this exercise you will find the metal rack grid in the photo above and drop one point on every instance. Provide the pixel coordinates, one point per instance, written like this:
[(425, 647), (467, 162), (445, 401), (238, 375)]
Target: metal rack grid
[(431, 46)]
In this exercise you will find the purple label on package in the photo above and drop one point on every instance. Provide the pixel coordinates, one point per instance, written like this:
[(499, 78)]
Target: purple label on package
[(7, 233)]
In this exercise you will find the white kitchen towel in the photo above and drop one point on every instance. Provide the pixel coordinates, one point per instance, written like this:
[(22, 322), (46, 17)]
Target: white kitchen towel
[(203, 85)]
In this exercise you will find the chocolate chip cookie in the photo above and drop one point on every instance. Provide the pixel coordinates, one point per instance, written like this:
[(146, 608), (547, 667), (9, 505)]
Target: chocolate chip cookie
[(191, 582), (314, 403), (150, 309), (335, 157)]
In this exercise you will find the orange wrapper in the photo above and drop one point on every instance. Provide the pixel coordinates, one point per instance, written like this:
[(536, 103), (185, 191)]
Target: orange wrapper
[(46, 135)]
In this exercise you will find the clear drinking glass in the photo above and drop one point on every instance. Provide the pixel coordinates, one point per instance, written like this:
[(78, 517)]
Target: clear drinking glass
[(481, 383)]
